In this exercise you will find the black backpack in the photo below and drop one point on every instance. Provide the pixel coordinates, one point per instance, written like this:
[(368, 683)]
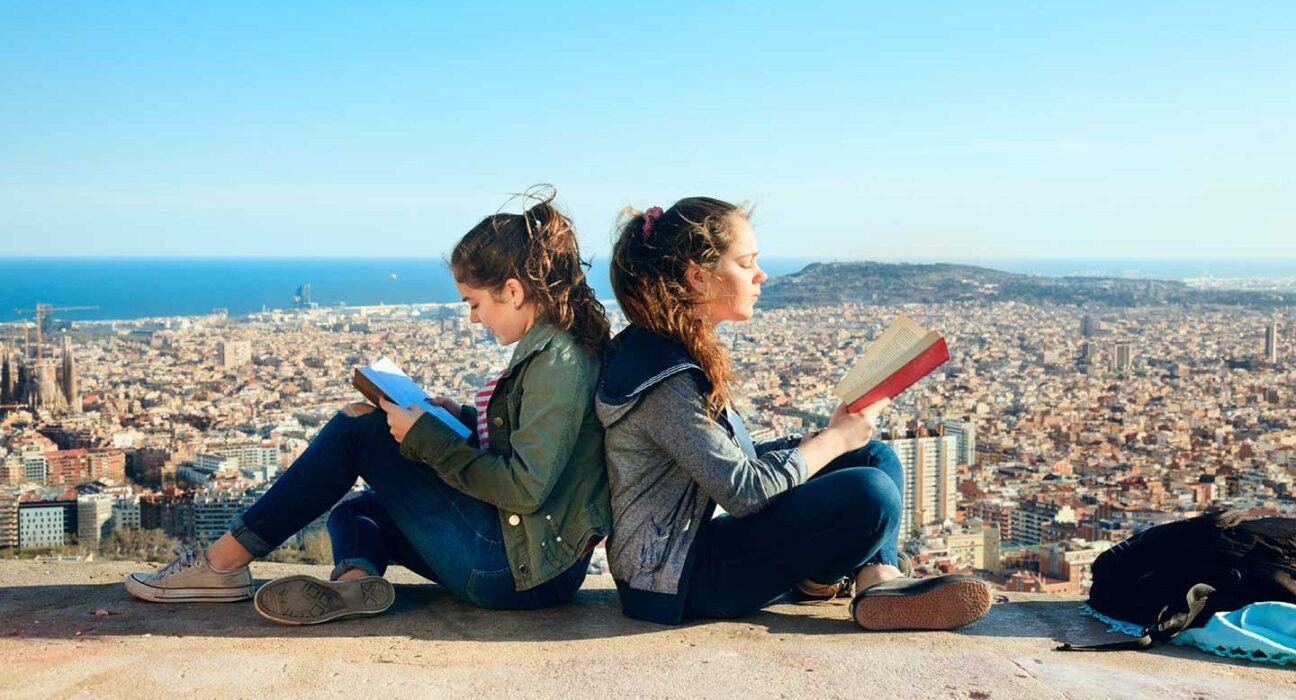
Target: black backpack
[(1174, 576)]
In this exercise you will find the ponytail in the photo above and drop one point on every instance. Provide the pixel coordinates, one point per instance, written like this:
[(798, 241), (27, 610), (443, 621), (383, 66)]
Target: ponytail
[(651, 256), (539, 249)]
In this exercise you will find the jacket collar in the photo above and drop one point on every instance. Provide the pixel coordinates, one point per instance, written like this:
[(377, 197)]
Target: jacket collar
[(639, 360), (530, 343)]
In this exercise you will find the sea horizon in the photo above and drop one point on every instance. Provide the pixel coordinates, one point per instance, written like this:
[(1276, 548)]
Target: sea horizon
[(125, 288)]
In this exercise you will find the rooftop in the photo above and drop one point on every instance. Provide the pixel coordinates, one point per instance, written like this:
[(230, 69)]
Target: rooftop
[(69, 630)]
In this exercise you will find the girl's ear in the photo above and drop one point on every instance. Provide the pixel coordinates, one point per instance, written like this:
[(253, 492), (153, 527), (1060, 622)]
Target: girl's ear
[(696, 278), (514, 293)]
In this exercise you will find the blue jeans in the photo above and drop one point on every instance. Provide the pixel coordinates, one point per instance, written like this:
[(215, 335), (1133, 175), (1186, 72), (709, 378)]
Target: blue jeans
[(846, 516), (409, 516)]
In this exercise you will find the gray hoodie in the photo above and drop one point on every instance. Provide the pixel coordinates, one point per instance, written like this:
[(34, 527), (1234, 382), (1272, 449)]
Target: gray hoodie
[(669, 463)]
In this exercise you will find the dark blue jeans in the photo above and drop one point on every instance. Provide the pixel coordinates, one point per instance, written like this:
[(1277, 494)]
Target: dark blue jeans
[(845, 516), (409, 516)]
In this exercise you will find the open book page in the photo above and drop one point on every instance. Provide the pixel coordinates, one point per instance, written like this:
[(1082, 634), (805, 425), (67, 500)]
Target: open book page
[(393, 382), (402, 391), (902, 341)]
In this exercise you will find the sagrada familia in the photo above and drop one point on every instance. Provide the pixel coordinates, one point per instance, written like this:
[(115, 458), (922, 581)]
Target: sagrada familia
[(38, 384)]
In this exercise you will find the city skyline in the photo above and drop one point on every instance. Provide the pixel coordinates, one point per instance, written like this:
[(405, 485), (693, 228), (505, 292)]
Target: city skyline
[(890, 133)]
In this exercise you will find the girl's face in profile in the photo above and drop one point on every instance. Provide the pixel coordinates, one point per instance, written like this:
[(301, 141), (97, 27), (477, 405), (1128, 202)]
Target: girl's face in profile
[(729, 292), (506, 313)]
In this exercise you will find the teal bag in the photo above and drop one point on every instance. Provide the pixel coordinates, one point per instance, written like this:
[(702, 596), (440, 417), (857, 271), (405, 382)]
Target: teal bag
[(1258, 632)]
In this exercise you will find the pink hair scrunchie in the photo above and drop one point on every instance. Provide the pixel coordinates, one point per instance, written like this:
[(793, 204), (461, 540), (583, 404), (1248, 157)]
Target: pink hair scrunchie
[(650, 218)]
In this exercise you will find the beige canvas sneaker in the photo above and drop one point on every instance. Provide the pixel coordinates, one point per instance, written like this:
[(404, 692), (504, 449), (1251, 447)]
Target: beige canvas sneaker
[(190, 579)]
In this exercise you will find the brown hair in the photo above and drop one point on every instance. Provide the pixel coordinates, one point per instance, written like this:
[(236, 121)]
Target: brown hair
[(650, 258), (538, 248)]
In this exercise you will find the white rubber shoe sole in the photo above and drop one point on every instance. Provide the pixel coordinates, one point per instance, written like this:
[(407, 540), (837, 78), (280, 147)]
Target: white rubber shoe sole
[(306, 600)]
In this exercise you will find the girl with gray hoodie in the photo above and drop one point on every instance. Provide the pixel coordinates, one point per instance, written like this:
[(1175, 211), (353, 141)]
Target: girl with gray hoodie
[(814, 516)]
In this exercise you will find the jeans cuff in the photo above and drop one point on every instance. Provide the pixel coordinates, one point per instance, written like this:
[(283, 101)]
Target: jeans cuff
[(879, 559), (251, 541), (354, 563)]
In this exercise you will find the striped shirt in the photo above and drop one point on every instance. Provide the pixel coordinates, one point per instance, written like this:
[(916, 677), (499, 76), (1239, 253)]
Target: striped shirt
[(481, 400)]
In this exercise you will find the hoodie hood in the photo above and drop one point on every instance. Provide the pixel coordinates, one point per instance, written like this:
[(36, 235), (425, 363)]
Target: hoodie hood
[(639, 361)]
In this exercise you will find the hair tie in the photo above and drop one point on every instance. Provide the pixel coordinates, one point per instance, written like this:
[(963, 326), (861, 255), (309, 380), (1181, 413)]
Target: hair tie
[(650, 218)]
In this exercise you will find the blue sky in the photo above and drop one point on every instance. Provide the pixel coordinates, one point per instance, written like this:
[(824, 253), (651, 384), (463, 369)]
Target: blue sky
[(917, 130)]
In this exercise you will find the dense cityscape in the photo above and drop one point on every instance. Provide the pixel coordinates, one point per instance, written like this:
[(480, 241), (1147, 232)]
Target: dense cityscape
[(1055, 430)]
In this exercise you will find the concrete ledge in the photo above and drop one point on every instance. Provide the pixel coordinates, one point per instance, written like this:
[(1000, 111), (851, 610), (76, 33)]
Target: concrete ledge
[(55, 645)]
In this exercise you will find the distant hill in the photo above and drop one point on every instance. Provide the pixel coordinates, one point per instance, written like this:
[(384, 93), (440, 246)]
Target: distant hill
[(899, 283)]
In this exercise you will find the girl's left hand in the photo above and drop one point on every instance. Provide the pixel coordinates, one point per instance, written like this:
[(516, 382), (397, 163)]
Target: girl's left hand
[(400, 419)]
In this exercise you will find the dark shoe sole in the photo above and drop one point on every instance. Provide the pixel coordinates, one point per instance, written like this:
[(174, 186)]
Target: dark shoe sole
[(939, 603), (306, 600)]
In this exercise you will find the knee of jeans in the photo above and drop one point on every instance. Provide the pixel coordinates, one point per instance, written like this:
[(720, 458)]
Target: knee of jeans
[(879, 454), (875, 488), (371, 421), (351, 506), (884, 459)]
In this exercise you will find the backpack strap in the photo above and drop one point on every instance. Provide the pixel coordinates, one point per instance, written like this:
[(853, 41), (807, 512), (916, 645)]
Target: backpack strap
[(1165, 628)]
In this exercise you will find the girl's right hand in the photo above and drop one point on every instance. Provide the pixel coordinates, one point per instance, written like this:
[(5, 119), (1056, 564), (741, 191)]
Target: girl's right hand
[(856, 429), (449, 404)]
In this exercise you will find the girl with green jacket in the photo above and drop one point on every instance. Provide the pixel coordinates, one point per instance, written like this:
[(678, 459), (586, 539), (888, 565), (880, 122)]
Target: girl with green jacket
[(506, 518)]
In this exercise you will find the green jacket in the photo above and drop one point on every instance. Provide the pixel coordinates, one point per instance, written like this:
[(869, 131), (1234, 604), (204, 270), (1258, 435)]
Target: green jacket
[(543, 468)]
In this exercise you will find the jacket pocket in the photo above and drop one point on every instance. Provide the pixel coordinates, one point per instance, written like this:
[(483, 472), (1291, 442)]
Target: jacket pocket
[(655, 547)]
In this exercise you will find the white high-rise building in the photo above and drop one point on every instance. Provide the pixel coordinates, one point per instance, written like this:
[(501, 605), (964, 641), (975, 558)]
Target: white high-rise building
[(251, 456), (41, 525), (94, 516), (126, 512), (1122, 356), (235, 353), (214, 510), (8, 520), (216, 463), (35, 467), (964, 433), (930, 466)]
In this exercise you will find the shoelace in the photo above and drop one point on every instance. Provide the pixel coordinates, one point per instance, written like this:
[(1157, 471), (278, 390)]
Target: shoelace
[(185, 558)]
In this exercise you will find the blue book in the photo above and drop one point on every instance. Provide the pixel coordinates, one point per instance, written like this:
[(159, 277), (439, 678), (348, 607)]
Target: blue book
[(384, 380)]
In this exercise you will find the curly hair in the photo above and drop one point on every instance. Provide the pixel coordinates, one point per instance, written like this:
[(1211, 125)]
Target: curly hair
[(650, 259), (537, 248)]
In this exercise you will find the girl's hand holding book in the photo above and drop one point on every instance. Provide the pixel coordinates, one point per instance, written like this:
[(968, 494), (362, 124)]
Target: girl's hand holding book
[(846, 431), (856, 429), (400, 419), (450, 405)]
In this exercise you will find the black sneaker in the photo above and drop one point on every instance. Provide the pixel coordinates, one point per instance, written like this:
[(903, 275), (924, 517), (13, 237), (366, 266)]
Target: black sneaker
[(936, 603)]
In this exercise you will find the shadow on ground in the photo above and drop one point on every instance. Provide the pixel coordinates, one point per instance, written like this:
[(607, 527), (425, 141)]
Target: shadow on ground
[(421, 611), (427, 611)]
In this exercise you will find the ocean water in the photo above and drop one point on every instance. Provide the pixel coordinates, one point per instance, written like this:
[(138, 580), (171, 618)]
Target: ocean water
[(124, 288), (143, 287)]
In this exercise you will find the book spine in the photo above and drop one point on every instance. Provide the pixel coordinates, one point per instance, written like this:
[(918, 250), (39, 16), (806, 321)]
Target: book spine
[(916, 369), (367, 388)]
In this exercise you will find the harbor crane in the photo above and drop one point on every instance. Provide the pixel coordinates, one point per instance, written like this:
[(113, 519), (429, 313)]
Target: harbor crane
[(45, 315)]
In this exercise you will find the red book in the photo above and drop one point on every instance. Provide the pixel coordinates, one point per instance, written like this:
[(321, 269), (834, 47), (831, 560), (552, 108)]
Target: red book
[(903, 354)]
